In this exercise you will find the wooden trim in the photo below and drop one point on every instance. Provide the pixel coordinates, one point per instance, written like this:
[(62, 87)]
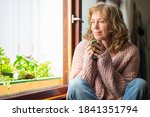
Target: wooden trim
[(76, 27), (29, 86), (58, 92), (67, 39), (71, 34), (65, 42), (58, 97)]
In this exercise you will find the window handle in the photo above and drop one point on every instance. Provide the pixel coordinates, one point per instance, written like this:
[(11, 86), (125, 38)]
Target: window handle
[(76, 19)]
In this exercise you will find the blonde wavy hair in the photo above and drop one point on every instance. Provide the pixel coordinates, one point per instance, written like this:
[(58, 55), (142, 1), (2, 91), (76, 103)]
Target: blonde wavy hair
[(113, 14)]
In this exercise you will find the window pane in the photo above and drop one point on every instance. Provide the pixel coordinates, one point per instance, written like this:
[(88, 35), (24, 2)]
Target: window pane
[(33, 27)]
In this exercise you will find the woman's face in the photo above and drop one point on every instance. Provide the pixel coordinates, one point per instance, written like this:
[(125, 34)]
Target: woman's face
[(100, 26)]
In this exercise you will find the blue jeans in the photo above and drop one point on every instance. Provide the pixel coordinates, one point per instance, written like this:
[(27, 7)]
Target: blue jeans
[(79, 89)]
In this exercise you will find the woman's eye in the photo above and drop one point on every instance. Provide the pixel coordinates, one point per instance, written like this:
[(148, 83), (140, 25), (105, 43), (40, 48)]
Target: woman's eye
[(101, 21)]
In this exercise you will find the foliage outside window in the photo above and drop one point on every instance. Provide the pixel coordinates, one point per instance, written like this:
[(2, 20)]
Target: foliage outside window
[(33, 28), (22, 68)]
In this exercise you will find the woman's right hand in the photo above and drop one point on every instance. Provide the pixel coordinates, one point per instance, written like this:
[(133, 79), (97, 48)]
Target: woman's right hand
[(89, 50)]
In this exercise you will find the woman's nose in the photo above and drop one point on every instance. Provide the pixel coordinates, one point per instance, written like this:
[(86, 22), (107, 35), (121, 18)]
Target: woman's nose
[(96, 26)]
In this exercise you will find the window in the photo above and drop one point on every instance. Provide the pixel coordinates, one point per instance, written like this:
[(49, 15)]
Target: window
[(43, 29), (33, 28)]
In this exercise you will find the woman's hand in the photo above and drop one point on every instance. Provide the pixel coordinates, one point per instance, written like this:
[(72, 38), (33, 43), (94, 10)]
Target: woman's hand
[(98, 48), (90, 50)]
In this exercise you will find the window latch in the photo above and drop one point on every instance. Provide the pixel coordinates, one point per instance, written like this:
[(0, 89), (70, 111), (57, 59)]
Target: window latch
[(76, 19)]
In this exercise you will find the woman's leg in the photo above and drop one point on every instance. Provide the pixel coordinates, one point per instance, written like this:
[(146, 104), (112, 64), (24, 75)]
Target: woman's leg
[(79, 89), (136, 90)]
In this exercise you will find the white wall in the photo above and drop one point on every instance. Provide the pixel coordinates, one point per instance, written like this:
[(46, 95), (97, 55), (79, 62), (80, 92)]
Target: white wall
[(86, 4)]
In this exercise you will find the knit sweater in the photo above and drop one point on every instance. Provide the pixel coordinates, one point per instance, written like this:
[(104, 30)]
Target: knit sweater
[(107, 76)]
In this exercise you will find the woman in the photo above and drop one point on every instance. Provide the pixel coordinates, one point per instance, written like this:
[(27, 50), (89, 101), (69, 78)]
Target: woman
[(107, 68)]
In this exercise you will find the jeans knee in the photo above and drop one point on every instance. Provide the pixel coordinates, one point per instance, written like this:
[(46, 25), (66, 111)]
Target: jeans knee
[(140, 83), (76, 84), (80, 89), (136, 90)]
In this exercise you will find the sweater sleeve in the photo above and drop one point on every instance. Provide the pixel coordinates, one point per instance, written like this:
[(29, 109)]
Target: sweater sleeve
[(82, 64), (114, 80)]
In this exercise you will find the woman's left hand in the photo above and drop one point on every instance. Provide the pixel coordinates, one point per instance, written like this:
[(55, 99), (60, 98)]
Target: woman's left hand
[(99, 48)]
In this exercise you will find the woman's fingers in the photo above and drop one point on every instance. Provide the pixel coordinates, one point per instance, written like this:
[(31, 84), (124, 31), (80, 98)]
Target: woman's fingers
[(88, 47), (99, 48), (96, 49), (90, 50)]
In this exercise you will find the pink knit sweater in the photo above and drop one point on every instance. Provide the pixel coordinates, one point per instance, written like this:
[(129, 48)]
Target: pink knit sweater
[(107, 76)]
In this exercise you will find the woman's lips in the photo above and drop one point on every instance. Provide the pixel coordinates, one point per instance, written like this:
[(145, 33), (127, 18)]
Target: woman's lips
[(97, 33)]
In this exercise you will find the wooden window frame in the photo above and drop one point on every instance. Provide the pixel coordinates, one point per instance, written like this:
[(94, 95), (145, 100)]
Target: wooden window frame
[(71, 37), (76, 27), (72, 34), (51, 93)]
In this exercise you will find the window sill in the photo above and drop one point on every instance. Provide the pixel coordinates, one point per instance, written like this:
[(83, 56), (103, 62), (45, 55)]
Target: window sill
[(32, 80), (32, 85), (51, 93)]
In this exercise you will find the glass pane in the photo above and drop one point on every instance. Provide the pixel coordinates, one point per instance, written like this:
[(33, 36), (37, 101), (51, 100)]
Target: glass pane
[(33, 28)]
